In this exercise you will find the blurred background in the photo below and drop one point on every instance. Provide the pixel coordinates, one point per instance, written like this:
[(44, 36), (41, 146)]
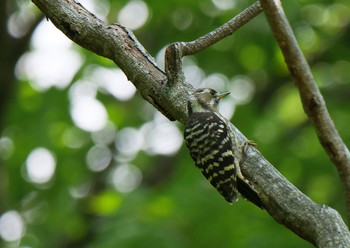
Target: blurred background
[(86, 162)]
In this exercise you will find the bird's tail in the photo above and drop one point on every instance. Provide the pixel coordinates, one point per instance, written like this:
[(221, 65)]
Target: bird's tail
[(247, 192)]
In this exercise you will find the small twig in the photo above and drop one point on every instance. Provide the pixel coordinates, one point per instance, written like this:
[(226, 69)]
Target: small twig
[(313, 102), (223, 31), (176, 51)]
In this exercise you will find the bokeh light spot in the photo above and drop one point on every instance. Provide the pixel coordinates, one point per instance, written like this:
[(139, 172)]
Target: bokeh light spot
[(88, 114), (114, 82), (160, 57), (161, 136), (193, 73), (306, 37), (6, 148), (289, 108), (227, 108), (105, 136), (314, 13), (11, 226), (126, 178), (40, 165), (215, 81), (165, 139), (98, 158), (39, 67), (224, 4), (182, 18), (133, 15), (20, 22), (105, 203), (82, 88), (100, 8), (129, 141), (81, 191), (242, 89), (321, 188)]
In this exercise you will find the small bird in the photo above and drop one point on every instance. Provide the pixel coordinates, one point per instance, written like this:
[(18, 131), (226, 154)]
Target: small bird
[(213, 149)]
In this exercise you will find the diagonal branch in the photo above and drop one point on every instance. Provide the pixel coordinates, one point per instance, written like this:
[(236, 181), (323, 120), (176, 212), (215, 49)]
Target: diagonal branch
[(320, 225), (313, 102)]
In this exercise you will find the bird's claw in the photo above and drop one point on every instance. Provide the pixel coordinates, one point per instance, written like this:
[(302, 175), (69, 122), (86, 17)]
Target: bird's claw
[(248, 143)]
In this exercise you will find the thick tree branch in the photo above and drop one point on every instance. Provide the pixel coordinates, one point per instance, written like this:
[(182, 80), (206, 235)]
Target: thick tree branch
[(318, 224), (118, 44), (311, 97)]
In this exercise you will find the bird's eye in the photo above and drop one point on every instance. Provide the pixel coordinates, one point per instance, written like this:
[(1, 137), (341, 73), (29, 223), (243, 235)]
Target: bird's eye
[(212, 92)]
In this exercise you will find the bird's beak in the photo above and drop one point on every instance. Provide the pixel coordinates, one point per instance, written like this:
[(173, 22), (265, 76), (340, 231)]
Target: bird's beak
[(223, 94)]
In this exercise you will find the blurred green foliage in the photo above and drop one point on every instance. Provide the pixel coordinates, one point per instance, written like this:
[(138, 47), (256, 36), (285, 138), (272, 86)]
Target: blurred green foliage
[(174, 206)]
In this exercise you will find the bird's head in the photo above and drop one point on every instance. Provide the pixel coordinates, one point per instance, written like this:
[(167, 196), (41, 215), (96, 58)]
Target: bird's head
[(205, 99)]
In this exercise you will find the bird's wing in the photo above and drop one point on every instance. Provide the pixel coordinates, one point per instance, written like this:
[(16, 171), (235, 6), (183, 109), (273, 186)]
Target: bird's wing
[(210, 146)]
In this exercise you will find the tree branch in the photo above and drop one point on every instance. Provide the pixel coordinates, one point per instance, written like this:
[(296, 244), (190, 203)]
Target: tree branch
[(311, 97), (176, 51), (319, 225), (222, 32)]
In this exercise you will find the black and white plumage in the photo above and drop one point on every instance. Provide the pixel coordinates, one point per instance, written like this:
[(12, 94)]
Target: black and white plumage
[(213, 149)]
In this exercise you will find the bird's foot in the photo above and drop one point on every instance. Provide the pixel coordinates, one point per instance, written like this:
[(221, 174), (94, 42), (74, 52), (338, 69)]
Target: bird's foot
[(247, 143)]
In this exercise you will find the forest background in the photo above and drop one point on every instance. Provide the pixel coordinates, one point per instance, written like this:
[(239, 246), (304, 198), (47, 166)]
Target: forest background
[(86, 162)]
